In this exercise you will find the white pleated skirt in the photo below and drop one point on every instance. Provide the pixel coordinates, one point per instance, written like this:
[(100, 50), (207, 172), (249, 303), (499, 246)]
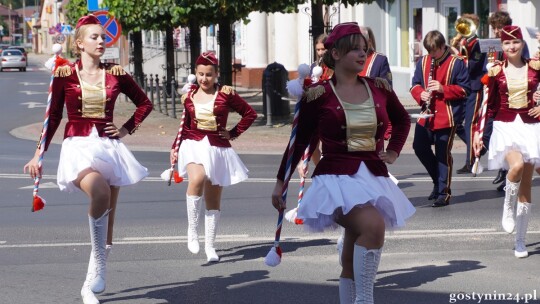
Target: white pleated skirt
[(222, 165), (514, 136), (332, 195), (110, 157)]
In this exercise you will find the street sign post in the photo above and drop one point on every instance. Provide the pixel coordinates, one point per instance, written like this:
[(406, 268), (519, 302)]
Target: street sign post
[(113, 30)]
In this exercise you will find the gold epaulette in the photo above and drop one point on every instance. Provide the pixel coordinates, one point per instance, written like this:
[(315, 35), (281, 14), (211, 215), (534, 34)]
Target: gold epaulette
[(227, 90), (314, 93), (494, 70), (63, 71), (534, 64), (116, 70), (382, 83), (183, 98)]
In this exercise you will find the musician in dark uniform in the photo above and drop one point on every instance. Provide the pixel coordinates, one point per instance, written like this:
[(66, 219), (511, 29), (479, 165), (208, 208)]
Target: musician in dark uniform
[(469, 50), (440, 85)]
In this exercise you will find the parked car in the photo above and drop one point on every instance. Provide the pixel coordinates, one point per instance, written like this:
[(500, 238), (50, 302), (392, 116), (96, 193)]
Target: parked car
[(4, 46), (20, 48), (13, 59)]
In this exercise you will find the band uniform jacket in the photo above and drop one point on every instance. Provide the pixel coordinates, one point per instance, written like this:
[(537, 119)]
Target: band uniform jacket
[(321, 116), (377, 66), (451, 72), (66, 89), (499, 106), (475, 60), (226, 99)]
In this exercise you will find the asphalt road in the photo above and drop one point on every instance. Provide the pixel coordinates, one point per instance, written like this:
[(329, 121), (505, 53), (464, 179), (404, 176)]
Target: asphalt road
[(442, 255)]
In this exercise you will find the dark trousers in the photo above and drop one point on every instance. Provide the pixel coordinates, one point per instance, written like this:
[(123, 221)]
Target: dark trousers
[(464, 131), (438, 164)]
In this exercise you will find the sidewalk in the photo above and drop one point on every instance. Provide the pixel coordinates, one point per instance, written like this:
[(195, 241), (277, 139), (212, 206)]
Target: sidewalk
[(158, 131)]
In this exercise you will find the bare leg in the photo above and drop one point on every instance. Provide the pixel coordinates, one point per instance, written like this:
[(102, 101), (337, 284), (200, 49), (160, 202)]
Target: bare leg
[(114, 199)]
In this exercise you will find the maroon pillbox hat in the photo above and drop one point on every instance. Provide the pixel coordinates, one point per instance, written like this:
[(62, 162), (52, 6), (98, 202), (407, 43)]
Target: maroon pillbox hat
[(511, 32), (90, 19), (341, 30), (207, 58)]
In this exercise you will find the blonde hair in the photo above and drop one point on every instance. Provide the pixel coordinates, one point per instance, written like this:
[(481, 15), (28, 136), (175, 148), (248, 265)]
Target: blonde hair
[(79, 34)]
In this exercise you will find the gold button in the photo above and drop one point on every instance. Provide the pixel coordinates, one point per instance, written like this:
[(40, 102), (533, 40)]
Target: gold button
[(78, 86), (79, 97), (338, 108)]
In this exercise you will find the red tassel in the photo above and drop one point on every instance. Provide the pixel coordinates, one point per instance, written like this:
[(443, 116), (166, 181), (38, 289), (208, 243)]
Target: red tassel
[(298, 221), (278, 251), (177, 178), (485, 79), (38, 203)]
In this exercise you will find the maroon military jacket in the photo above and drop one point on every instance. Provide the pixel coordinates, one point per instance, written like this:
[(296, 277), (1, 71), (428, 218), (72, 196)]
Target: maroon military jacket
[(498, 106), (66, 89), (226, 99), (324, 118)]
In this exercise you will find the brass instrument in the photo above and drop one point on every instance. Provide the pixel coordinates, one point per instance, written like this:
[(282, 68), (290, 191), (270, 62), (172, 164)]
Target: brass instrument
[(465, 27)]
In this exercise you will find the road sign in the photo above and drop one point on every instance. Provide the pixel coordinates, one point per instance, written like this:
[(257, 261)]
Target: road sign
[(60, 38), (113, 30), (95, 5), (111, 53), (66, 29)]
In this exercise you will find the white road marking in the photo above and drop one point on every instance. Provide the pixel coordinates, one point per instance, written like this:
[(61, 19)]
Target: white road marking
[(49, 185), (32, 83), (32, 104), (269, 180), (44, 92), (244, 238)]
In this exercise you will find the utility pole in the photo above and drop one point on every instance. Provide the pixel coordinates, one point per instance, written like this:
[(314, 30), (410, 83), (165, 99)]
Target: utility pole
[(25, 40), (10, 26)]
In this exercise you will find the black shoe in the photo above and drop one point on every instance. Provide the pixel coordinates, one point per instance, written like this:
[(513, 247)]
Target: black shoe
[(440, 202), (466, 169), (501, 176), (434, 194), (500, 188)]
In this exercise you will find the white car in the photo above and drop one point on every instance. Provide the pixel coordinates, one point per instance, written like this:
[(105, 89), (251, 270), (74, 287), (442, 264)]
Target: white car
[(13, 59)]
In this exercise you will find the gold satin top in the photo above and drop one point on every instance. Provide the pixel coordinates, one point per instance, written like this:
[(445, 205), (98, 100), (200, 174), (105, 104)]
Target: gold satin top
[(94, 97), (517, 90), (204, 114), (361, 120)]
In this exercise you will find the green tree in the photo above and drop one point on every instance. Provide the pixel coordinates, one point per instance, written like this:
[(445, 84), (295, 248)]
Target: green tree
[(224, 13), (138, 15)]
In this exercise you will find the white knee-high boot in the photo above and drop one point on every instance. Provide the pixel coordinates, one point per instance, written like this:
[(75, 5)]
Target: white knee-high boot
[(347, 292), (98, 238), (193, 210), (365, 266), (211, 223), (522, 220), (86, 293), (510, 199)]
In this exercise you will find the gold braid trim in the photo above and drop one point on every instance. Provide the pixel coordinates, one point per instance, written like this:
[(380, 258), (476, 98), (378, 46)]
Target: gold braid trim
[(227, 90), (534, 64), (494, 70), (63, 71), (183, 98), (116, 70), (382, 83), (314, 93)]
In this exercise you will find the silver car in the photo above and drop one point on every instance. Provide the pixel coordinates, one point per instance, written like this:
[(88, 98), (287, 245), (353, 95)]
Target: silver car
[(13, 59)]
